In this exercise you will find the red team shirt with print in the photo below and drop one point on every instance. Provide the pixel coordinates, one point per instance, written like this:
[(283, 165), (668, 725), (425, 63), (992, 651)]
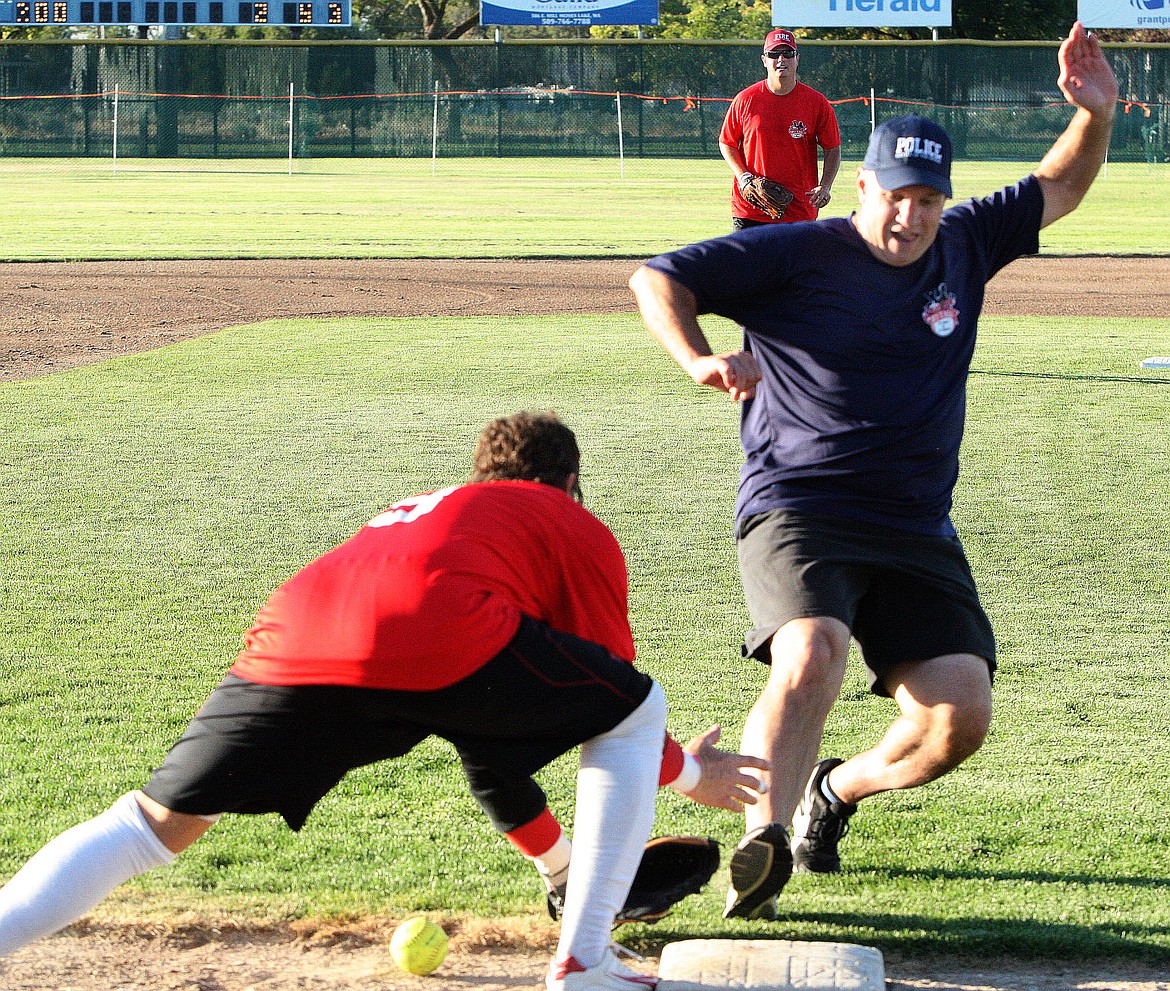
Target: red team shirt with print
[(433, 588), (778, 137)]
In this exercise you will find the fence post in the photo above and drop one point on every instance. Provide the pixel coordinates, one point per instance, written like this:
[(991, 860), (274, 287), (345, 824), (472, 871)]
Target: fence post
[(435, 130), (641, 103), (621, 139), (499, 96), (291, 88), (115, 130)]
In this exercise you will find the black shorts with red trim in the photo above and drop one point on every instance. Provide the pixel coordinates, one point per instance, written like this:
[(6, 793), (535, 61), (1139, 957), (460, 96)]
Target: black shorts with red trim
[(256, 748)]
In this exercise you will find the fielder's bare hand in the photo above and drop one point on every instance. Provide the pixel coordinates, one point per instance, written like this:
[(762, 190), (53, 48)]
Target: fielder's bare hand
[(819, 196), (724, 783)]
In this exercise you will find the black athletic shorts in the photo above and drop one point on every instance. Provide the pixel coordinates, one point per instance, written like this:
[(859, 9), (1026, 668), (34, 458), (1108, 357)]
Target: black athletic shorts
[(905, 596), (744, 223), (266, 748)]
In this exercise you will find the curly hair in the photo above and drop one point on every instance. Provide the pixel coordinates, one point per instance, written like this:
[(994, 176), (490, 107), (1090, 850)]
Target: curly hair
[(534, 447)]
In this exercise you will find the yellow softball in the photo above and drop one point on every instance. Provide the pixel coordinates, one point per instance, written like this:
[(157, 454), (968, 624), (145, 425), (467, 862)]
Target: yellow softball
[(418, 946)]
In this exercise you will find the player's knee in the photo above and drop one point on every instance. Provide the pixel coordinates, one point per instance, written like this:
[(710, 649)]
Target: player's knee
[(175, 830), (956, 733), (812, 644), (509, 802), (969, 729), (652, 711), (808, 659)]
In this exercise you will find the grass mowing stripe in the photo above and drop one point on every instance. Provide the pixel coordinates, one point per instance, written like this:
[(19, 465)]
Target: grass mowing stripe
[(157, 498), (81, 209)]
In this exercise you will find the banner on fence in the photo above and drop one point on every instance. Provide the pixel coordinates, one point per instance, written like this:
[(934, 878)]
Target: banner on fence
[(1124, 13), (568, 12), (863, 13)]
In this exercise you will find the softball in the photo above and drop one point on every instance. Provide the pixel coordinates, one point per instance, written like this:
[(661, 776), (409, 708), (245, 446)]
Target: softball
[(418, 946)]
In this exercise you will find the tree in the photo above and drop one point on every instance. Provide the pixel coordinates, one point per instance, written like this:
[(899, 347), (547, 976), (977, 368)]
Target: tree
[(388, 18), (447, 20), (431, 20), (1024, 20), (9, 32), (716, 20)]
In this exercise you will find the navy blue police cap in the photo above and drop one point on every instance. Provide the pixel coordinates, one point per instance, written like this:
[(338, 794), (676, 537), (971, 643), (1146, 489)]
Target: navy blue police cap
[(910, 151)]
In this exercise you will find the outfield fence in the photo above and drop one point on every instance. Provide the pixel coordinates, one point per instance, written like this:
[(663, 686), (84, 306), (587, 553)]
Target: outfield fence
[(643, 99)]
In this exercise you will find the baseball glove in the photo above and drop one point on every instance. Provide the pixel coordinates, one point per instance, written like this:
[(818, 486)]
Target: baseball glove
[(672, 867), (764, 194)]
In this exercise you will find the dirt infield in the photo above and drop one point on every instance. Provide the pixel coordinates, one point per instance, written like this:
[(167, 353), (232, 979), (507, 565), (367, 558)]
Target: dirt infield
[(499, 957), (62, 315)]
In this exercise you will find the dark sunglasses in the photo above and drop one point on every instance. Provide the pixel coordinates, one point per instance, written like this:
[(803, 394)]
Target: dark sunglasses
[(780, 53)]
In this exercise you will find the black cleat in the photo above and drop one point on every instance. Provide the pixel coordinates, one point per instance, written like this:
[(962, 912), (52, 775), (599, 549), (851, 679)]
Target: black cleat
[(555, 899), (819, 825), (760, 867)]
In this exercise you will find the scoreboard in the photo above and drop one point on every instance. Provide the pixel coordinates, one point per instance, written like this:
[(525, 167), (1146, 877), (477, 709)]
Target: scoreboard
[(277, 13)]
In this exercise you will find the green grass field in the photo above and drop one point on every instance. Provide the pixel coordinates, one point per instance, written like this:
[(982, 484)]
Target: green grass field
[(82, 209), (153, 501)]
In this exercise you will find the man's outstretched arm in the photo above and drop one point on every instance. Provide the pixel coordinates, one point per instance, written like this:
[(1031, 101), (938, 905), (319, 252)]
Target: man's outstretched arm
[(1071, 165)]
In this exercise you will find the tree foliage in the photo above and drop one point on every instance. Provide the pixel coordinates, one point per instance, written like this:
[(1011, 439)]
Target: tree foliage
[(430, 20), (715, 19), (443, 19)]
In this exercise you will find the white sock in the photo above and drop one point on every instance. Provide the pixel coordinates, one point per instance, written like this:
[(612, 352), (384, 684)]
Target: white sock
[(829, 793), (75, 871), (616, 789), (553, 864)]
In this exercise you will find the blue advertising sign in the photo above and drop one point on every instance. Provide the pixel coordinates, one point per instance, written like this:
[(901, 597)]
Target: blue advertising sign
[(862, 13), (1124, 14), (546, 13)]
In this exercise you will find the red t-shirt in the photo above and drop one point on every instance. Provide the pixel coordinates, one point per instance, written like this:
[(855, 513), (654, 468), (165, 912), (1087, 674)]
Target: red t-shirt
[(430, 590), (778, 137)]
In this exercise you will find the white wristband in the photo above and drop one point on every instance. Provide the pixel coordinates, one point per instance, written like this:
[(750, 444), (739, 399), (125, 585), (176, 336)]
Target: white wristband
[(689, 777)]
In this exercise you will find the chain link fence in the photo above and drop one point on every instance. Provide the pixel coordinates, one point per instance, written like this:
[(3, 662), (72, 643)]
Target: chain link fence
[(641, 99)]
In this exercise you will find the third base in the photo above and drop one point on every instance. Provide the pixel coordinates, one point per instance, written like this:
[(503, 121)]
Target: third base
[(770, 965)]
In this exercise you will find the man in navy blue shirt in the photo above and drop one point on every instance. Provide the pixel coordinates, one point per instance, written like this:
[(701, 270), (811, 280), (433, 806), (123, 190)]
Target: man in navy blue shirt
[(858, 334)]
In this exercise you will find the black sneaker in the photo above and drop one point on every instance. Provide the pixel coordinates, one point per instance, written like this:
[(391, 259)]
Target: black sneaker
[(555, 903), (819, 825), (554, 898), (760, 867)]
